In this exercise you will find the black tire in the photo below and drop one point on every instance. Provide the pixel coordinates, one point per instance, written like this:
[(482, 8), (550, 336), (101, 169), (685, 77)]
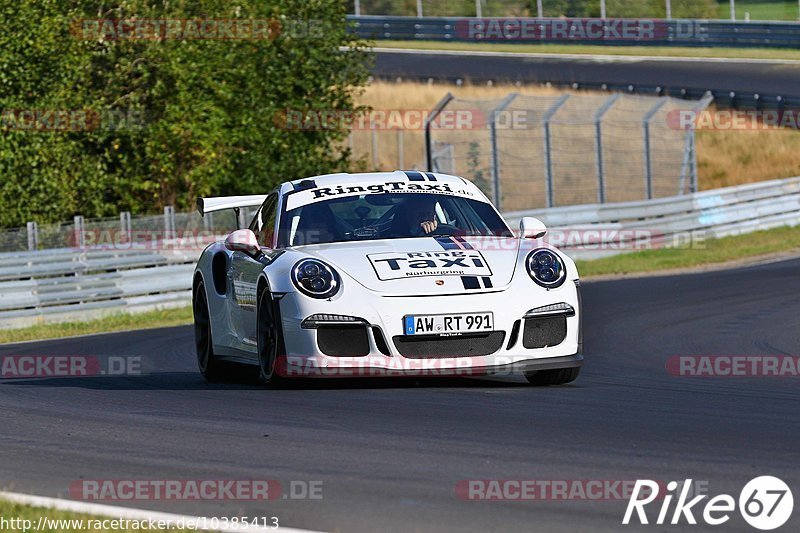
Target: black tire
[(558, 376), (209, 365), (269, 335)]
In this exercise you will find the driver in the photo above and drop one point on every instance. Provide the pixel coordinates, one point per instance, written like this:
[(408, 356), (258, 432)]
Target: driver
[(415, 216)]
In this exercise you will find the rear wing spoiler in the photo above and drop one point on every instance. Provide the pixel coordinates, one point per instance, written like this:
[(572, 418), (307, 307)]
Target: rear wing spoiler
[(220, 203)]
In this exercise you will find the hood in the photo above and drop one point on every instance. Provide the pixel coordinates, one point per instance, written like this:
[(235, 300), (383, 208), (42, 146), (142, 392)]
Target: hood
[(424, 265)]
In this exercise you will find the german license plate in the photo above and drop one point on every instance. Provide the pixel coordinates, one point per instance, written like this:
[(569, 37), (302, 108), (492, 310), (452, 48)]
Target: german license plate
[(448, 324)]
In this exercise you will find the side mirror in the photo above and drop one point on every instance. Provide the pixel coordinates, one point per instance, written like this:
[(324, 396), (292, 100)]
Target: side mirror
[(243, 240), (531, 228)]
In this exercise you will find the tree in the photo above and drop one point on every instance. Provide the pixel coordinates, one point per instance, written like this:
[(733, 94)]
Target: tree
[(170, 118)]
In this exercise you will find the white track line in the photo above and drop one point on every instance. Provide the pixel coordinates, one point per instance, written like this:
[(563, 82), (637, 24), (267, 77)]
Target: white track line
[(599, 58), (111, 511)]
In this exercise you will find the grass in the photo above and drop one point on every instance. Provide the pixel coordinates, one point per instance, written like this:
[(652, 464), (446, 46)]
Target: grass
[(726, 158), (712, 251), (586, 49), (68, 522), (116, 322), (761, 10)]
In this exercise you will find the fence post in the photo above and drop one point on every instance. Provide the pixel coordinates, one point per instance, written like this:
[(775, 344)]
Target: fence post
[(648, 160), (374, 134), (497, 197), (33, 236), (548, 155), (689, 164), (169, 222), (125, 224), (79, 237), (598, 120), (401, 164), (428, 122)]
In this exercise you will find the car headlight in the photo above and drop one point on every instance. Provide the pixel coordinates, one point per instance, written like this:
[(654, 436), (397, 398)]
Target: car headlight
[(546, 268), (316, 279)]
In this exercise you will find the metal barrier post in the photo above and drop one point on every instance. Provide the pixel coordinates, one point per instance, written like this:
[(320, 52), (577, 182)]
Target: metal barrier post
[(496, 191), (598, 117), (428, 122), (693, 176), (548, 156), (33, 236), (648, 162), (125, 224), (169, 222), (77, 231)]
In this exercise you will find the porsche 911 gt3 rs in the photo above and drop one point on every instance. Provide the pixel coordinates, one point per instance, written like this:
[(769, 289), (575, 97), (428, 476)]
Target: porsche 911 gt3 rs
[(390, 273)]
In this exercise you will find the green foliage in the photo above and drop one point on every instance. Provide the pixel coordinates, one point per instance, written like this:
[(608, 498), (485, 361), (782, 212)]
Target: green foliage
[(178, 118)]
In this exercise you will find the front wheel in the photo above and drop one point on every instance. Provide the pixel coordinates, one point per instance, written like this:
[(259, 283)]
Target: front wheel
[(558, 376), (270, 340)]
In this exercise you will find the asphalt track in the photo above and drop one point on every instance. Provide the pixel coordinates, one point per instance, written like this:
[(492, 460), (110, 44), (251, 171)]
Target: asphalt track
[(390, 452), (759, 77)]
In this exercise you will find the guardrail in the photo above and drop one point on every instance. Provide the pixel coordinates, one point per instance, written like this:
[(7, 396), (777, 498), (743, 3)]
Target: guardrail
[(600, 230), (529, 30), (75, 284)]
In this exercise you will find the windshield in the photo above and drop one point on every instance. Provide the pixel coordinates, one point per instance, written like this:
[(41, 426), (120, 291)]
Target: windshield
[(388, 216)]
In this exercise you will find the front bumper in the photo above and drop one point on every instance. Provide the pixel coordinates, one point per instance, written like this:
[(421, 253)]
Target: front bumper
[(384, 317)]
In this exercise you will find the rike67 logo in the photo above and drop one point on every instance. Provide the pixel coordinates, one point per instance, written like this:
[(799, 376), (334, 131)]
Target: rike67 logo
[(765, 503)]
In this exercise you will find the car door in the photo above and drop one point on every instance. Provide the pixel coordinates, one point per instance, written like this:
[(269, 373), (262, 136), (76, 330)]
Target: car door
[(244, 272)]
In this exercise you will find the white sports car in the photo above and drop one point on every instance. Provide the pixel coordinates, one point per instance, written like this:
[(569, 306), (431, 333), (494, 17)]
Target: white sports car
[(391, 273)]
